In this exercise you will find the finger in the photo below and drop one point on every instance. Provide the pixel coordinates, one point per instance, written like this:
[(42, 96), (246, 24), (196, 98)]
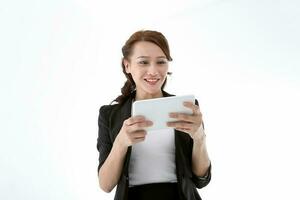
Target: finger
[(138, 134), (191, 105), (140, 126), (132, 120), (184, 117), (180, 124), (138, 140)]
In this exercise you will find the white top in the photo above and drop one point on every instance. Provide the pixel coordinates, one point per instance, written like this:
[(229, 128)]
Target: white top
[(153, 160)]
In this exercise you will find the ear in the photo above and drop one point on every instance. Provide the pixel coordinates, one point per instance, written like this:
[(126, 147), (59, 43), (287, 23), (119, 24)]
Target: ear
[(127, 66)]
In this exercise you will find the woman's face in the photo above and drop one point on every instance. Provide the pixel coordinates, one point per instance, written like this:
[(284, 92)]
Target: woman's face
[(148, 66)]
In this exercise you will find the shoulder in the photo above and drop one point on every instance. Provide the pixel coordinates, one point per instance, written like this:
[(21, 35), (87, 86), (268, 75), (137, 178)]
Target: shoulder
[(106, 114), (106, 110)]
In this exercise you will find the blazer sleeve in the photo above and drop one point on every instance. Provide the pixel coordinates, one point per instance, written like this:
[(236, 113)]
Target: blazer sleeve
[(202, 181), (104, 143)]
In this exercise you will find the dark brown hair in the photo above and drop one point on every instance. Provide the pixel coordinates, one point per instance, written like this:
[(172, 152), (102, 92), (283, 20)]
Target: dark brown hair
[(143, 35)]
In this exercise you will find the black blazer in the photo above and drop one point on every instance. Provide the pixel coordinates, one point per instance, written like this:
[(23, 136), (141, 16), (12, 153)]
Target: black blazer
[(110, 122)]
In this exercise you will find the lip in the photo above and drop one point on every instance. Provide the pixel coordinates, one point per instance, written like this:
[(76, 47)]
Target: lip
[(155, 79), (151, 81)]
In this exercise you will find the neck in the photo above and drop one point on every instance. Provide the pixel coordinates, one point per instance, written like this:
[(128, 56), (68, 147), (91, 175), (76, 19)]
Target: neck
[(140, 96)]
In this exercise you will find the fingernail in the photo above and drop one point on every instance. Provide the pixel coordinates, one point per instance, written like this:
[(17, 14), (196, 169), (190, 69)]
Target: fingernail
[(172, 114)]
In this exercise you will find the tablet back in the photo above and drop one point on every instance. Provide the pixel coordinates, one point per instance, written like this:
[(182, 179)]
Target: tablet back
[(157, 110)]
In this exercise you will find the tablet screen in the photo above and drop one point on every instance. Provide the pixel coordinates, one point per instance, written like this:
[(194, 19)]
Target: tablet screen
[(157, 110)]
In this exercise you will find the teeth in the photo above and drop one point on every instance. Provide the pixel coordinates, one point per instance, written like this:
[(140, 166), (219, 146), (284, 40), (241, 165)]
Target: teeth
[(151, 80)]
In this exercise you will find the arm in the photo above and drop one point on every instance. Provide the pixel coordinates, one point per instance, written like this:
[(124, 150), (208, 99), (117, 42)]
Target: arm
[(112, 156), (111, 169), (200, 159), (193, 125)]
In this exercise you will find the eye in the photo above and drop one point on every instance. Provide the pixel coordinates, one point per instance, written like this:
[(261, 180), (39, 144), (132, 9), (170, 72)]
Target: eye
[(143, 62), (161, 62)]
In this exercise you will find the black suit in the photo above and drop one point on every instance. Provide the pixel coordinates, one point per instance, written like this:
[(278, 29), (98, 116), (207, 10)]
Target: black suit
[(110, 122)]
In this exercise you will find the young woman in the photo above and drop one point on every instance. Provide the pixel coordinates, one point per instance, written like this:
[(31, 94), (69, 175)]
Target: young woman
[(164, 164)]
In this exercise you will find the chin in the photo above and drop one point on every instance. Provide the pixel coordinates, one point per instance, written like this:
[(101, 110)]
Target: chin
[(153, 91)]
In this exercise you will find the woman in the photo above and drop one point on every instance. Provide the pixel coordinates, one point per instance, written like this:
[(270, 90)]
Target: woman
[(164, 164)]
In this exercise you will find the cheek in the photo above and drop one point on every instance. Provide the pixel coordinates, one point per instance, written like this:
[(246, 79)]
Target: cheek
[(137, 74), (164, 71)]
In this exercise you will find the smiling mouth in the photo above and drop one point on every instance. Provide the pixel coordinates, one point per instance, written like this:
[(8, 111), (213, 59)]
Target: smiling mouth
[(152, 81)]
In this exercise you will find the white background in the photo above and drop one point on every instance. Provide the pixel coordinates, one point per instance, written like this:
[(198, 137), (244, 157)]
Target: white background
[(60, 61)]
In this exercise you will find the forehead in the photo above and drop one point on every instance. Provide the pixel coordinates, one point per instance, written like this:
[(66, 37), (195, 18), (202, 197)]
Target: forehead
[(148, 49)]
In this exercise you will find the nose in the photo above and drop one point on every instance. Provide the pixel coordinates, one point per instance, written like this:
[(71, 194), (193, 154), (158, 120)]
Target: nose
[(152, 70)]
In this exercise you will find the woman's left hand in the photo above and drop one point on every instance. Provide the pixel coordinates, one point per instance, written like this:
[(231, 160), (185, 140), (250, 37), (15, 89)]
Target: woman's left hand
[(188, 123)]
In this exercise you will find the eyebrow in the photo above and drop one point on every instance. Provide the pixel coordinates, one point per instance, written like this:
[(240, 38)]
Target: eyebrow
[(149, 57)]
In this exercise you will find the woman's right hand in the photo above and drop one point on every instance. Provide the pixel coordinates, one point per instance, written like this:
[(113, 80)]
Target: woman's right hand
[(133, 130)]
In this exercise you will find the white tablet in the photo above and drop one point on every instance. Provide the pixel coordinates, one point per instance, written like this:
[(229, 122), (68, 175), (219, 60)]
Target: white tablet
[(157, 110)]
